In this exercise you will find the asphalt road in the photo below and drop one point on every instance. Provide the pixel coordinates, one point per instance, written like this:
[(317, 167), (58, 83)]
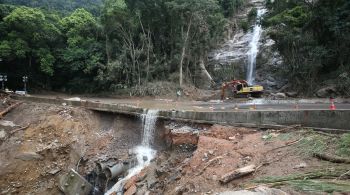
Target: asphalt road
[(216, 105)]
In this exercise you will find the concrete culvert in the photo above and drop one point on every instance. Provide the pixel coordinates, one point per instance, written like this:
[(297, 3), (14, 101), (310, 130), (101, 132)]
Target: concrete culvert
[(100, 167), (116, 170)]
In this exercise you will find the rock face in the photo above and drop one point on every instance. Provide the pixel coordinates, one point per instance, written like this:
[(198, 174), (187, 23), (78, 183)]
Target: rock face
[(183, 135), (230, 60), (269, 61)]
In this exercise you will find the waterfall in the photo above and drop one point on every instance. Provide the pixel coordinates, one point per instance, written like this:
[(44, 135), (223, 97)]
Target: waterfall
[(149, 121), (254, 48), (144, 153)]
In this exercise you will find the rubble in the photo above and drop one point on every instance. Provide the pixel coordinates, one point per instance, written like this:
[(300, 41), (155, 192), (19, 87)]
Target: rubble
[(73, 183), (28, 156)]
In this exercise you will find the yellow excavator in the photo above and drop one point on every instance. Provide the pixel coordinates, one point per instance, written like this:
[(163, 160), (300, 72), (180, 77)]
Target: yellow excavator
[(241, 88)]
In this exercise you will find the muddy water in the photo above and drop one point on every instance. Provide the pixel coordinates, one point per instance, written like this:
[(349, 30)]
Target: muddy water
[(144, 153)]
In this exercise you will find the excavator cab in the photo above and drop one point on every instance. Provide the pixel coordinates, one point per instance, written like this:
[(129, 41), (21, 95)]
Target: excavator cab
[(241, 88)]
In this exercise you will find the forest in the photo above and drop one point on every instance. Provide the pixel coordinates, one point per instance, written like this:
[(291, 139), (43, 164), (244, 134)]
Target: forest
[(313, 37), (94, 45), (124, 44)]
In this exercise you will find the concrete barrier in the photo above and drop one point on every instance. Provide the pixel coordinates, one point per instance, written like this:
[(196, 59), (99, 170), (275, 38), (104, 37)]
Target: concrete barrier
[(334, 119)]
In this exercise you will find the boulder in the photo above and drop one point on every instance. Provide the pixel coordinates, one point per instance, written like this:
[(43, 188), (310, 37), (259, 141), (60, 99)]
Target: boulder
[(292, 94), (279, 95), (326, 92), (28, 156), (2, 134)]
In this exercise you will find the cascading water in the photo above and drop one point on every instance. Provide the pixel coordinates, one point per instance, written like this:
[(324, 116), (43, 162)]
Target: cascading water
[(144, 152), (254, 48), (149, 121)]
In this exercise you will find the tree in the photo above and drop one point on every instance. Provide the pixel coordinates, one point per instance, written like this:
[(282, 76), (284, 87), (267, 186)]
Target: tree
[(30, 37), (83, 53)]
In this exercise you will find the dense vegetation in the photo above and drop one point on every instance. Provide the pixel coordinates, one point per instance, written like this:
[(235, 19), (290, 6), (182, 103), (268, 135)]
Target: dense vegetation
[(128, 43), (313, 37), (59, 6), (105, 45)]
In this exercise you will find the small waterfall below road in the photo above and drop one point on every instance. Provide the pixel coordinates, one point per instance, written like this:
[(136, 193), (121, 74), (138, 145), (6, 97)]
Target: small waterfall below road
[(144, 153), (254, 48), (149, 121)]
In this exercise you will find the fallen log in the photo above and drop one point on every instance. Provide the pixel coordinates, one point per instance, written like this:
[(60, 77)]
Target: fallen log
[(237, 173), (286, 129), (333, 159), (8, 109)]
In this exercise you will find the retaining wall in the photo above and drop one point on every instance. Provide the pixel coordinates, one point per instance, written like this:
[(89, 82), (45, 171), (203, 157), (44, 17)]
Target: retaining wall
[(337, 119)]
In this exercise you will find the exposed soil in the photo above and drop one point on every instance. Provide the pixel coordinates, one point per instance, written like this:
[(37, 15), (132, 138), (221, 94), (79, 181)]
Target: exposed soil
[(46, 141), (58, 138)]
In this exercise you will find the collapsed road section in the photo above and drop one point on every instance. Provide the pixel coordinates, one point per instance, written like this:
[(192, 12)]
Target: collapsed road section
[(313, 118), (59, 149)]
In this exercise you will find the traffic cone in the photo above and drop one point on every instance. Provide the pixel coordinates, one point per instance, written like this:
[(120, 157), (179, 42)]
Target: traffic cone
[(253, 107), (332, 107)]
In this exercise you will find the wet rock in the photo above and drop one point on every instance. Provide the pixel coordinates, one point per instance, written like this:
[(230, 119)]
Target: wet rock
[(180, 190), (131, 191), (326, 92), (160, 171), (292, 94), (54, 171), (28, 156), (2, 134), (7, 123)]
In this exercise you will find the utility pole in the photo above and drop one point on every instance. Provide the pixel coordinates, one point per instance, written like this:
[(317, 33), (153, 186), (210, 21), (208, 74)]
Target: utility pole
[(25, 80), (3, 79)]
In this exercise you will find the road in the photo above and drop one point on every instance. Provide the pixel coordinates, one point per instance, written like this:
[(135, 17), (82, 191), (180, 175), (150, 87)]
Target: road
[(216, 105)]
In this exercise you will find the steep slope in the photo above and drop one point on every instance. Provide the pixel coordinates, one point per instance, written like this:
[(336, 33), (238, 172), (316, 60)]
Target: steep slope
[(253, 47)]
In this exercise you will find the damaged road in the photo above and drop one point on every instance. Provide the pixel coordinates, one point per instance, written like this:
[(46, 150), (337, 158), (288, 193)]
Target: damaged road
[(57, 149)]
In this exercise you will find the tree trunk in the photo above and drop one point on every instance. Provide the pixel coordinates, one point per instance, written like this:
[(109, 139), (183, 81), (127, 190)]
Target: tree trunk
[(184, 51), (108, 54), (237, 173)]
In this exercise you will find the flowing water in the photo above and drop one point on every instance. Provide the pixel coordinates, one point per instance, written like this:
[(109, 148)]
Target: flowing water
[(149, 121), (254, 48), (144, 153)]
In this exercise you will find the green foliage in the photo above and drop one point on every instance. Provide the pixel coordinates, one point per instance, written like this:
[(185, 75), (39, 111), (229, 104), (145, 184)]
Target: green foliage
[(344, 145), (311, 36), (230, 7), (65, 6), (252, 14), (244, 25), (132, 43), (312, 144), (29, 36), (306, 181), (296, 17)]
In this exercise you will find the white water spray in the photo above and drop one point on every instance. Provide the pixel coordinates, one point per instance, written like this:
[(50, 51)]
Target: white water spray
[(144, 152), (254, 48)]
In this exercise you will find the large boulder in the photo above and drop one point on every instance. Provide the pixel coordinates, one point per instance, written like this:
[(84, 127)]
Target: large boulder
[(325, 92)]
